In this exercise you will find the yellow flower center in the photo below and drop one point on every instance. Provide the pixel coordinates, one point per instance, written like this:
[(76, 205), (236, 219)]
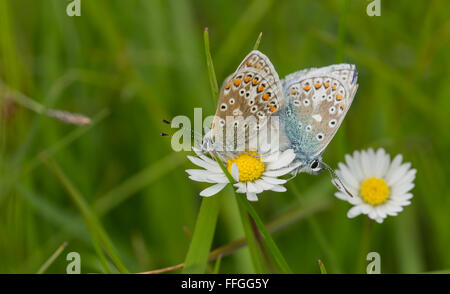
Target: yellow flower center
[(374, 191), (250, 166)]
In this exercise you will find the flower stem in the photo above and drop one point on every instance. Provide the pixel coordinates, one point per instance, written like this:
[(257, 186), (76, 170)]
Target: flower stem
[(266, 237), (365, 244), (210, 65)]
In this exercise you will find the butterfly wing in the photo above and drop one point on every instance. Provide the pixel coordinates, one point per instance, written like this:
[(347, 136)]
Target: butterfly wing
[(317, 101), (253, 90)]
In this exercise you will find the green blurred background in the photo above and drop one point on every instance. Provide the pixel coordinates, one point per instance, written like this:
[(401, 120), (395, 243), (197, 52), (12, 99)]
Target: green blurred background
[(130, 64)]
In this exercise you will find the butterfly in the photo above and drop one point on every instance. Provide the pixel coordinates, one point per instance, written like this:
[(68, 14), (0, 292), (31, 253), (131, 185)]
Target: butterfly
[(311, 105), (318, 100), (248, 97)]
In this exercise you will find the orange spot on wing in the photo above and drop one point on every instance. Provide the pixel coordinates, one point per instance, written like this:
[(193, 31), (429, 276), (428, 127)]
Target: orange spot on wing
[(342, 106), (333, 87), (237, 82), (228, 86), (249, 63), (306, 87), (338, 97), (260, 88), (247, 79), (273, 108), (258, 66), (266, 97), (317, 85), (293, 92), (326, 85), (255, 82)]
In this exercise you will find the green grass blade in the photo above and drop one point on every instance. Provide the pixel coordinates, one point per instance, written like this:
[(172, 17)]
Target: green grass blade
[(266, 237), (99, 234), (217, 265), (315, 227), (257, 257), (257, 41), (322, 267), (341, 33), (210, 65), (136, 183), (52, 258), (197, 256)]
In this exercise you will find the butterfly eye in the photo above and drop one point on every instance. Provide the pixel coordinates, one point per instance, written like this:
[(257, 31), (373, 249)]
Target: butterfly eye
[(315, 166)]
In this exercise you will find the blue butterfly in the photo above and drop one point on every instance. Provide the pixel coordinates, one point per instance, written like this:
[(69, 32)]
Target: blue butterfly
[(317, 101)]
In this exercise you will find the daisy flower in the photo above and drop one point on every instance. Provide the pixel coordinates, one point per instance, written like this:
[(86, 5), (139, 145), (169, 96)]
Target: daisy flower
[(380, 187), (252, 171)]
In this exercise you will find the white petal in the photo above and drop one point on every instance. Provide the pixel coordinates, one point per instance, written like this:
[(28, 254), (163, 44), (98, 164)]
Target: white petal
[(235, 172), (273, 181), (251, 188), (263, 184), (282, 171), (372, 214), (354, 165), (355, 200), (379, 220), (252, 196), (270, 157), (200, 179), (353, 212), (409, 177), (366, 164), (394, 166), (278, 188), (398, 174), (284, 160), (346, 175), (197, 172), (402, 189), (212, 167), (212, 190), (241, 187)]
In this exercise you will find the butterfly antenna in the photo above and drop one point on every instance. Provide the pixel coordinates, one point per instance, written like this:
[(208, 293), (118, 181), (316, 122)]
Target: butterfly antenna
[(191, 130), (335, 178)]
